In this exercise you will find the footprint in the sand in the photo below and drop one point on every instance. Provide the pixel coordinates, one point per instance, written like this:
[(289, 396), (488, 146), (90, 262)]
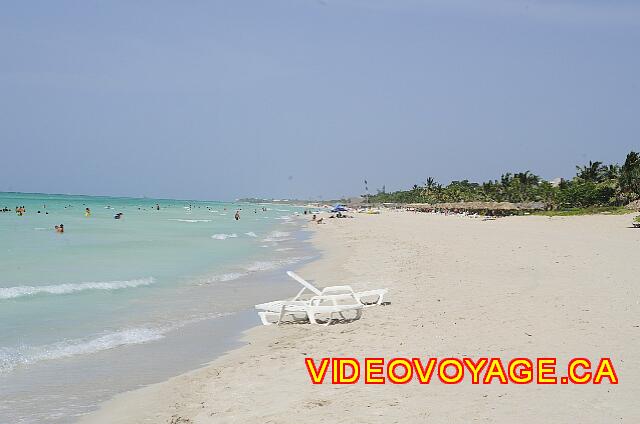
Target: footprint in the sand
[(317, 403)]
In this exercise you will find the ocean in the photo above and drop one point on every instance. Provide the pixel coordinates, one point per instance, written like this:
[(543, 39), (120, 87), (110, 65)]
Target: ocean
[(114, 304)]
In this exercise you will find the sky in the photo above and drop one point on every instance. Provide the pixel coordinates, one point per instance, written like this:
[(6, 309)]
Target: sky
[(219, 100)]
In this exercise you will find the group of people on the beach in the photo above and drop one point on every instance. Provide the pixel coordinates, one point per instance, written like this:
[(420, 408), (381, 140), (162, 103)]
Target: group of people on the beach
[(314, 216)]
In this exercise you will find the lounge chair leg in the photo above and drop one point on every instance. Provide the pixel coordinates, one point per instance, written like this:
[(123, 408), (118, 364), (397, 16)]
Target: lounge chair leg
[(282, 313), (263, 318)]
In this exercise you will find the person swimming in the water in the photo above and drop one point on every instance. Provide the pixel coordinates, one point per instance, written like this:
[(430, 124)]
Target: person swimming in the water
[(237, 216), (87, 212), (118, 215), (60, 228)]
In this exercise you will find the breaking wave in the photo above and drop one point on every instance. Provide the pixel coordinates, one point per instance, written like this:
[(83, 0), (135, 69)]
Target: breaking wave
[(12, 357), (223, 236), (253, 268), (277, 236), (66, 288)]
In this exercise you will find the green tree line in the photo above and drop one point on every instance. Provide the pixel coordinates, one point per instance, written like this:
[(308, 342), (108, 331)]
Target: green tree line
[(595, 184)]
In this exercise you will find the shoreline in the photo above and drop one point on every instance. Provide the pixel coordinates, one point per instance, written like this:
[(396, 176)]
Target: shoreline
[(518, 286), (98, 333)]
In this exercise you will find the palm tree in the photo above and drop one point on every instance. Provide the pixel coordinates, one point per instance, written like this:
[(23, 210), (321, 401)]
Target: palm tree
[(593, 172), (630, 176), (505, 179), (611, 172), (428, 187), (430, 183)]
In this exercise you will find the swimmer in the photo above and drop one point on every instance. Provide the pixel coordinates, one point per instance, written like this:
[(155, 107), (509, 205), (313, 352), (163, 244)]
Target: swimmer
[(118, 215), (60, 228), (87, 212), (157, 207), (237, 216)]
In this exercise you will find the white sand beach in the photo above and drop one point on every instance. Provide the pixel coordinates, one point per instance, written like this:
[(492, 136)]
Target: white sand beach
[(512, 287)]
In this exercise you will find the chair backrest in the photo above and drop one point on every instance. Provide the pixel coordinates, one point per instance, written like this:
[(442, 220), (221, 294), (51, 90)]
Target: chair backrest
[(304, 282), (337, 290)]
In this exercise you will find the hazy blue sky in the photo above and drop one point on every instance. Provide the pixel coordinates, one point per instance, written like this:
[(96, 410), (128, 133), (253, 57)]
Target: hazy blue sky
[(307, 98)]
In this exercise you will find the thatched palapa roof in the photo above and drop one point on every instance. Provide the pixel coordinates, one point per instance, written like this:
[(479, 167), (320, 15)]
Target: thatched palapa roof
[(477, 206)]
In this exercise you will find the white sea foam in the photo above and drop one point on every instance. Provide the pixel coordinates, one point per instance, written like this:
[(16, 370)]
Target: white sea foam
[(251, 234), (284, 249), (39, 229), (230, 276), (262, 266), (12, 357), (189, 220), (223, 236), (270, 265), (276, 236), (26, 355), (66, 288), (253, 268)]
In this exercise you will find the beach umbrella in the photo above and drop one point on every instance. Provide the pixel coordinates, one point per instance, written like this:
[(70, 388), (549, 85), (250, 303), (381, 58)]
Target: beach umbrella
[(339, 208)]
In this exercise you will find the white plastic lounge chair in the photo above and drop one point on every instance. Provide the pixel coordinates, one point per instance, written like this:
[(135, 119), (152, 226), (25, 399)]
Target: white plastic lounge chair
[(367, 298), (327, 302), (321, 309)]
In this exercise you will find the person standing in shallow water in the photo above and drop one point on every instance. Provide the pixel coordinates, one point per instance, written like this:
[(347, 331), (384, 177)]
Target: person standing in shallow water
[(237, 216), (87, 212)]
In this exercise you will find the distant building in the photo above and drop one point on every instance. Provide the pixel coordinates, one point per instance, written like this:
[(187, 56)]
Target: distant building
[(556, 182)]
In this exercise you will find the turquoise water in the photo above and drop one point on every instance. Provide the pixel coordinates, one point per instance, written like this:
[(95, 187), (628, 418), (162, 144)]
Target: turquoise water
[(106, 287)]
